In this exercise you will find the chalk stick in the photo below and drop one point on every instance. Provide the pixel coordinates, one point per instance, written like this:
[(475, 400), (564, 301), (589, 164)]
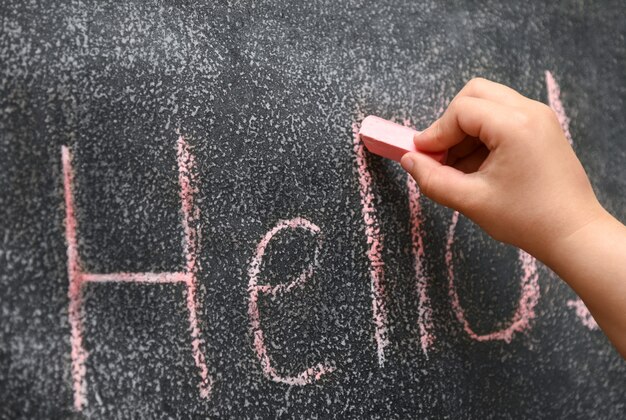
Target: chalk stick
[(391, 140)]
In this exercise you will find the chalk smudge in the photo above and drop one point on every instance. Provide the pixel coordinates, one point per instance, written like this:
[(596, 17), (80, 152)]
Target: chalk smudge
[(77, 277), (312, 373), (374, 253), (529, 295)]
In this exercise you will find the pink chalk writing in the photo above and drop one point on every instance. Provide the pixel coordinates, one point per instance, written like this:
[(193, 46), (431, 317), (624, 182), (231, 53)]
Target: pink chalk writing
[(191, 241), (424, 317), (78, 277), (529, 295), (75, 294), (255, 289), (375, 243), (554, 100), (583, 313), (425, 313)]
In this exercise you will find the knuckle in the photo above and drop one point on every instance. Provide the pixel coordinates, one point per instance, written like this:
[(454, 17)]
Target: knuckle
[(459, 103), (438, 132), (547, 112), (521, 119), (475, 84)]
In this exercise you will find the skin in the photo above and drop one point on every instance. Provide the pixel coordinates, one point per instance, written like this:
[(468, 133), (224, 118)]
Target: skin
[(511, 170)]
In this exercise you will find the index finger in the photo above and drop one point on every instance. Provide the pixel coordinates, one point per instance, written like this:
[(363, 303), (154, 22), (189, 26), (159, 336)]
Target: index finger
[(492, 91), (467, 116)]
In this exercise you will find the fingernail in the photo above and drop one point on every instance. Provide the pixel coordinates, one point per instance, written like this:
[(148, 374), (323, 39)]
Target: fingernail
[(407, 162)]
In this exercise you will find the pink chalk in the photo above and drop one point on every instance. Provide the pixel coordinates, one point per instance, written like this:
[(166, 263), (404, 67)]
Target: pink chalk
[(390, 140)]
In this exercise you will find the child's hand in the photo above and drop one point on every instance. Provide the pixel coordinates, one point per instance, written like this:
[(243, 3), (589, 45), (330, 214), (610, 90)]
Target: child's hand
[(511, 169)]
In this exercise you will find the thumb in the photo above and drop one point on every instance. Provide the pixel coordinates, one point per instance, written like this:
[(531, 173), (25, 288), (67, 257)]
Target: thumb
[(443, 184)]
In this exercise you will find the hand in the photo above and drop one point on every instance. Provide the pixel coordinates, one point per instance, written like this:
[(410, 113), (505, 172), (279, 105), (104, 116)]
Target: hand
[(510, 168)]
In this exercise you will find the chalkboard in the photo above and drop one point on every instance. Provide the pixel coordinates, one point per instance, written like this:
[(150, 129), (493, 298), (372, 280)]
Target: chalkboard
[(191, 228)]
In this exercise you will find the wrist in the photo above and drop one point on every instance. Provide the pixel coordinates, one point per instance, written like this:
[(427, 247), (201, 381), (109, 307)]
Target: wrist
[(559, 251)]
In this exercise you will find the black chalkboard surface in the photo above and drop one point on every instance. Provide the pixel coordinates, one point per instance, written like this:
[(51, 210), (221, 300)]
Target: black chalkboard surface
[(190, 228)]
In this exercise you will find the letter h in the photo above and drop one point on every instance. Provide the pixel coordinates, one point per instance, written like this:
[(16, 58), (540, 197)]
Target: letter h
[(78, 277)]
